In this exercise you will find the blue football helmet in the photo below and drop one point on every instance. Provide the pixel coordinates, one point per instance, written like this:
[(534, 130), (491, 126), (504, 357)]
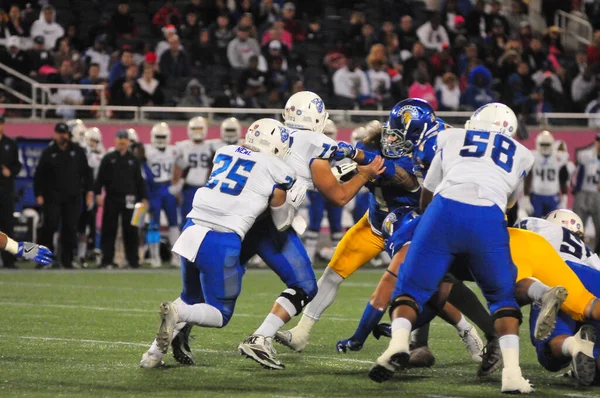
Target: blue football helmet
[(396, 219), (408, 121)]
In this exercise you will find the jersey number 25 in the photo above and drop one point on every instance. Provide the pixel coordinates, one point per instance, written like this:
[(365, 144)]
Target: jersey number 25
[(224, 163)]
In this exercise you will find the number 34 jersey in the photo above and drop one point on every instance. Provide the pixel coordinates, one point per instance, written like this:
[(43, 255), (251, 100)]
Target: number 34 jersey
[(239, 188), (570, 246), (161, 162), (195, 159), (477, 167)]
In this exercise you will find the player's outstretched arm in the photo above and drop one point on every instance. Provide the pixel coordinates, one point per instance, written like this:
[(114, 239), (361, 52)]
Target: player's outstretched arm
[(340, 194), (26, 250)]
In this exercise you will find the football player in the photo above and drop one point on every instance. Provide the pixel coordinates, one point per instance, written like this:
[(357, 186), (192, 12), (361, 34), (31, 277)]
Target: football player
[(26, 250), (546, 185), (194, 162), (245, 181), (231, 133), (361, 201), (77, 129), (161, 157)]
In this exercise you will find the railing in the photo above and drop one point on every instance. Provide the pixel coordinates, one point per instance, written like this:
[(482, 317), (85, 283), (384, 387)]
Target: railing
[(575, 30)]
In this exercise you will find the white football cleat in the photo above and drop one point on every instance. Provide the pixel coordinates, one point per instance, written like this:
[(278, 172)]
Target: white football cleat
[(388, 363), (514, 383), (549, 307), (295, 339), (473, 343), (583, 363), (151, 360), (260, 349), (169, 318)]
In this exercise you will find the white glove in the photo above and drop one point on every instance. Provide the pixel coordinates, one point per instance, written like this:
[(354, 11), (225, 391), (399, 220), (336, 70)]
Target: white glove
[(343, 169), (562, 204), (296, 194), (526, 205), (175, 189)]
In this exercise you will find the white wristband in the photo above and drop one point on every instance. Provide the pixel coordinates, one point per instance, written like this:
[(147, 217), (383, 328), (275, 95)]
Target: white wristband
[(11, 246)]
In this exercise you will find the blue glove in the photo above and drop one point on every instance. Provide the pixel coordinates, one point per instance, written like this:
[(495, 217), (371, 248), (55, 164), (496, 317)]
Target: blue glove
[(31, 251), (344, 150)]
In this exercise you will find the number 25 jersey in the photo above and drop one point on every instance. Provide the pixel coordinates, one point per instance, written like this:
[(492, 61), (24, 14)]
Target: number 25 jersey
[(239, 189)]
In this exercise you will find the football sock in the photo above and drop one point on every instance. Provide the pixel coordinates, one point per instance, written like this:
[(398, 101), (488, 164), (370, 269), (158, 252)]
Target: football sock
[(370, 318), (420, 337), (536, 291), (200, 314), (467, 302), (509, 345), (328, 286), (463, 325), (568, 346), (270, 326), (401, 328)]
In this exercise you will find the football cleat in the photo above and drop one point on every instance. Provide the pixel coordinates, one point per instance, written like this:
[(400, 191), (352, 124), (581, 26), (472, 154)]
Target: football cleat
[(583, 363), (169, 317), (181, 346), (261, 350), (348, 345), (421, 357), (549, 307), (514, 383), (473, 343), (491, 358), (295, 339), (383, 329), (388, 363), (151, 360)]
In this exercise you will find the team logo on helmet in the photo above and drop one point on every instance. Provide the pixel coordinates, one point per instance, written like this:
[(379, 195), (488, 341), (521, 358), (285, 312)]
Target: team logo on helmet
[(284, 134), (408, 113), (318, 103)]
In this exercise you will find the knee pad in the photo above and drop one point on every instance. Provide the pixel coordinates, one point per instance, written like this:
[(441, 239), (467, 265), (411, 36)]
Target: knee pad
[(398, 301), (293, 300), (510, 313)]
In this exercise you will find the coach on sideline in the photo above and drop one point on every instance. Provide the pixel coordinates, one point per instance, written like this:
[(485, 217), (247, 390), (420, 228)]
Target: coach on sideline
[(61, 178), (10, 166), (121, 176)]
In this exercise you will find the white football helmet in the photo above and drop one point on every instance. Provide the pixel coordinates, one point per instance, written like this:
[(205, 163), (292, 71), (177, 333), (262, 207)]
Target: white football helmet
[(330, 129), (495, 118), (374, 127), (231, 131), (566, 219), (269, 136), (77, 129), (133, 136), (358, 134), (544, 143), (93, 138), (305, 110), (160, 135), (197, 129)]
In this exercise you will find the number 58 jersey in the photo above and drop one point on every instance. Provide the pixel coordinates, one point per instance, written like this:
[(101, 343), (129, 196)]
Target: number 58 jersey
[(239, 189), (569, 246), (477, 167)]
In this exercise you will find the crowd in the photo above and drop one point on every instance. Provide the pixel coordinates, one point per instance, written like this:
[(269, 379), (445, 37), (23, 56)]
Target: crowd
[(255, 53)]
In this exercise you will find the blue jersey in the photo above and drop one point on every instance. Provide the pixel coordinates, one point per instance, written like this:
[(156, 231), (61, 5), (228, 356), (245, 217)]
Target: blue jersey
[(425, 150), (386, 196)]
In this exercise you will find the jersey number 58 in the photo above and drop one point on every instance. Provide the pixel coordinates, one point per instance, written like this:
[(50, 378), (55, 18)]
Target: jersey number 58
[(476, 143)]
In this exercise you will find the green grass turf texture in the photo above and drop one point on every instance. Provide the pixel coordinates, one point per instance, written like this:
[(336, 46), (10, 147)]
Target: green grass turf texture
[(82, 333)]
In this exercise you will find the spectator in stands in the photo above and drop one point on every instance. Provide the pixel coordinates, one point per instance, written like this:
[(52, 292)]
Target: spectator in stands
[(241, 49), (527, 83), (277, 83), (245, 8), (495, 16), (442, 61), (174, 63), (102, 27), (16, 26), (350, 85), (131, 74), (149, 88), (128, 96), (581, 87), (593, 50), (432, 34), (65, 96), (221, 34), (247, 21), (514, 96), (407, 35), (189, 29), (418, 59), (47, 26), (535, 55), (478, 92), (66, 52), (552, 41), (4, 19), (290, 23), (337, 57), (448, 93), (578, 67), (203, 9), (203, 51), (423, 89), (39, 56), (168, 32), (99, 56), (73, 35), (122, 23), (277, 32), (496, 41), (392, 49), (593, 108), (525, 34), (546, 97), (15, 58), (252, 84), (268, 13), (508, 64), (194, 96), (167, 15), (118, 69), (449, 14), (91, 97), (476, 21), (357, 20), (516, 17), (276, 50), (361, 45), (314, 34), (380, 82)]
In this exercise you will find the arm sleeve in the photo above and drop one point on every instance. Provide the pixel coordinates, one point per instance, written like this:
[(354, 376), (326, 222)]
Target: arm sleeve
[(435, 174), (15, 165)]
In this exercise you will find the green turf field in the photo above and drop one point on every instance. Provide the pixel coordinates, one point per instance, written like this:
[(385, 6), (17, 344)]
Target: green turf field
[(82, 333)]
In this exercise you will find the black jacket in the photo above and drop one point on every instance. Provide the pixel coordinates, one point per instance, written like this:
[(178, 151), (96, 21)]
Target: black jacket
[(120, 175), (60, 175), (9, 157)]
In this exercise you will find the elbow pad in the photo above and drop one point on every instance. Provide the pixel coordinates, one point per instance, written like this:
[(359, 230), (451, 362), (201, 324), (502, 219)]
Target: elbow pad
[(283, 216)]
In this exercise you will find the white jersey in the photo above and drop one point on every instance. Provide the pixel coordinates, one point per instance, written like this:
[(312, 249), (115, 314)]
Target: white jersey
[(588, 176), (217, 143), (546, 173), (569, 246), (94, 158), (161, 162), (195, 159), (477, 167), (240, 185), (306, 146)]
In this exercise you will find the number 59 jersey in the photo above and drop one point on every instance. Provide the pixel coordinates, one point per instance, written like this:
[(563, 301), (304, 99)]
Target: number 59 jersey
[(569, 246), (239, 189), (477, 167), (161, 162), (306, 146), (195, 160)]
